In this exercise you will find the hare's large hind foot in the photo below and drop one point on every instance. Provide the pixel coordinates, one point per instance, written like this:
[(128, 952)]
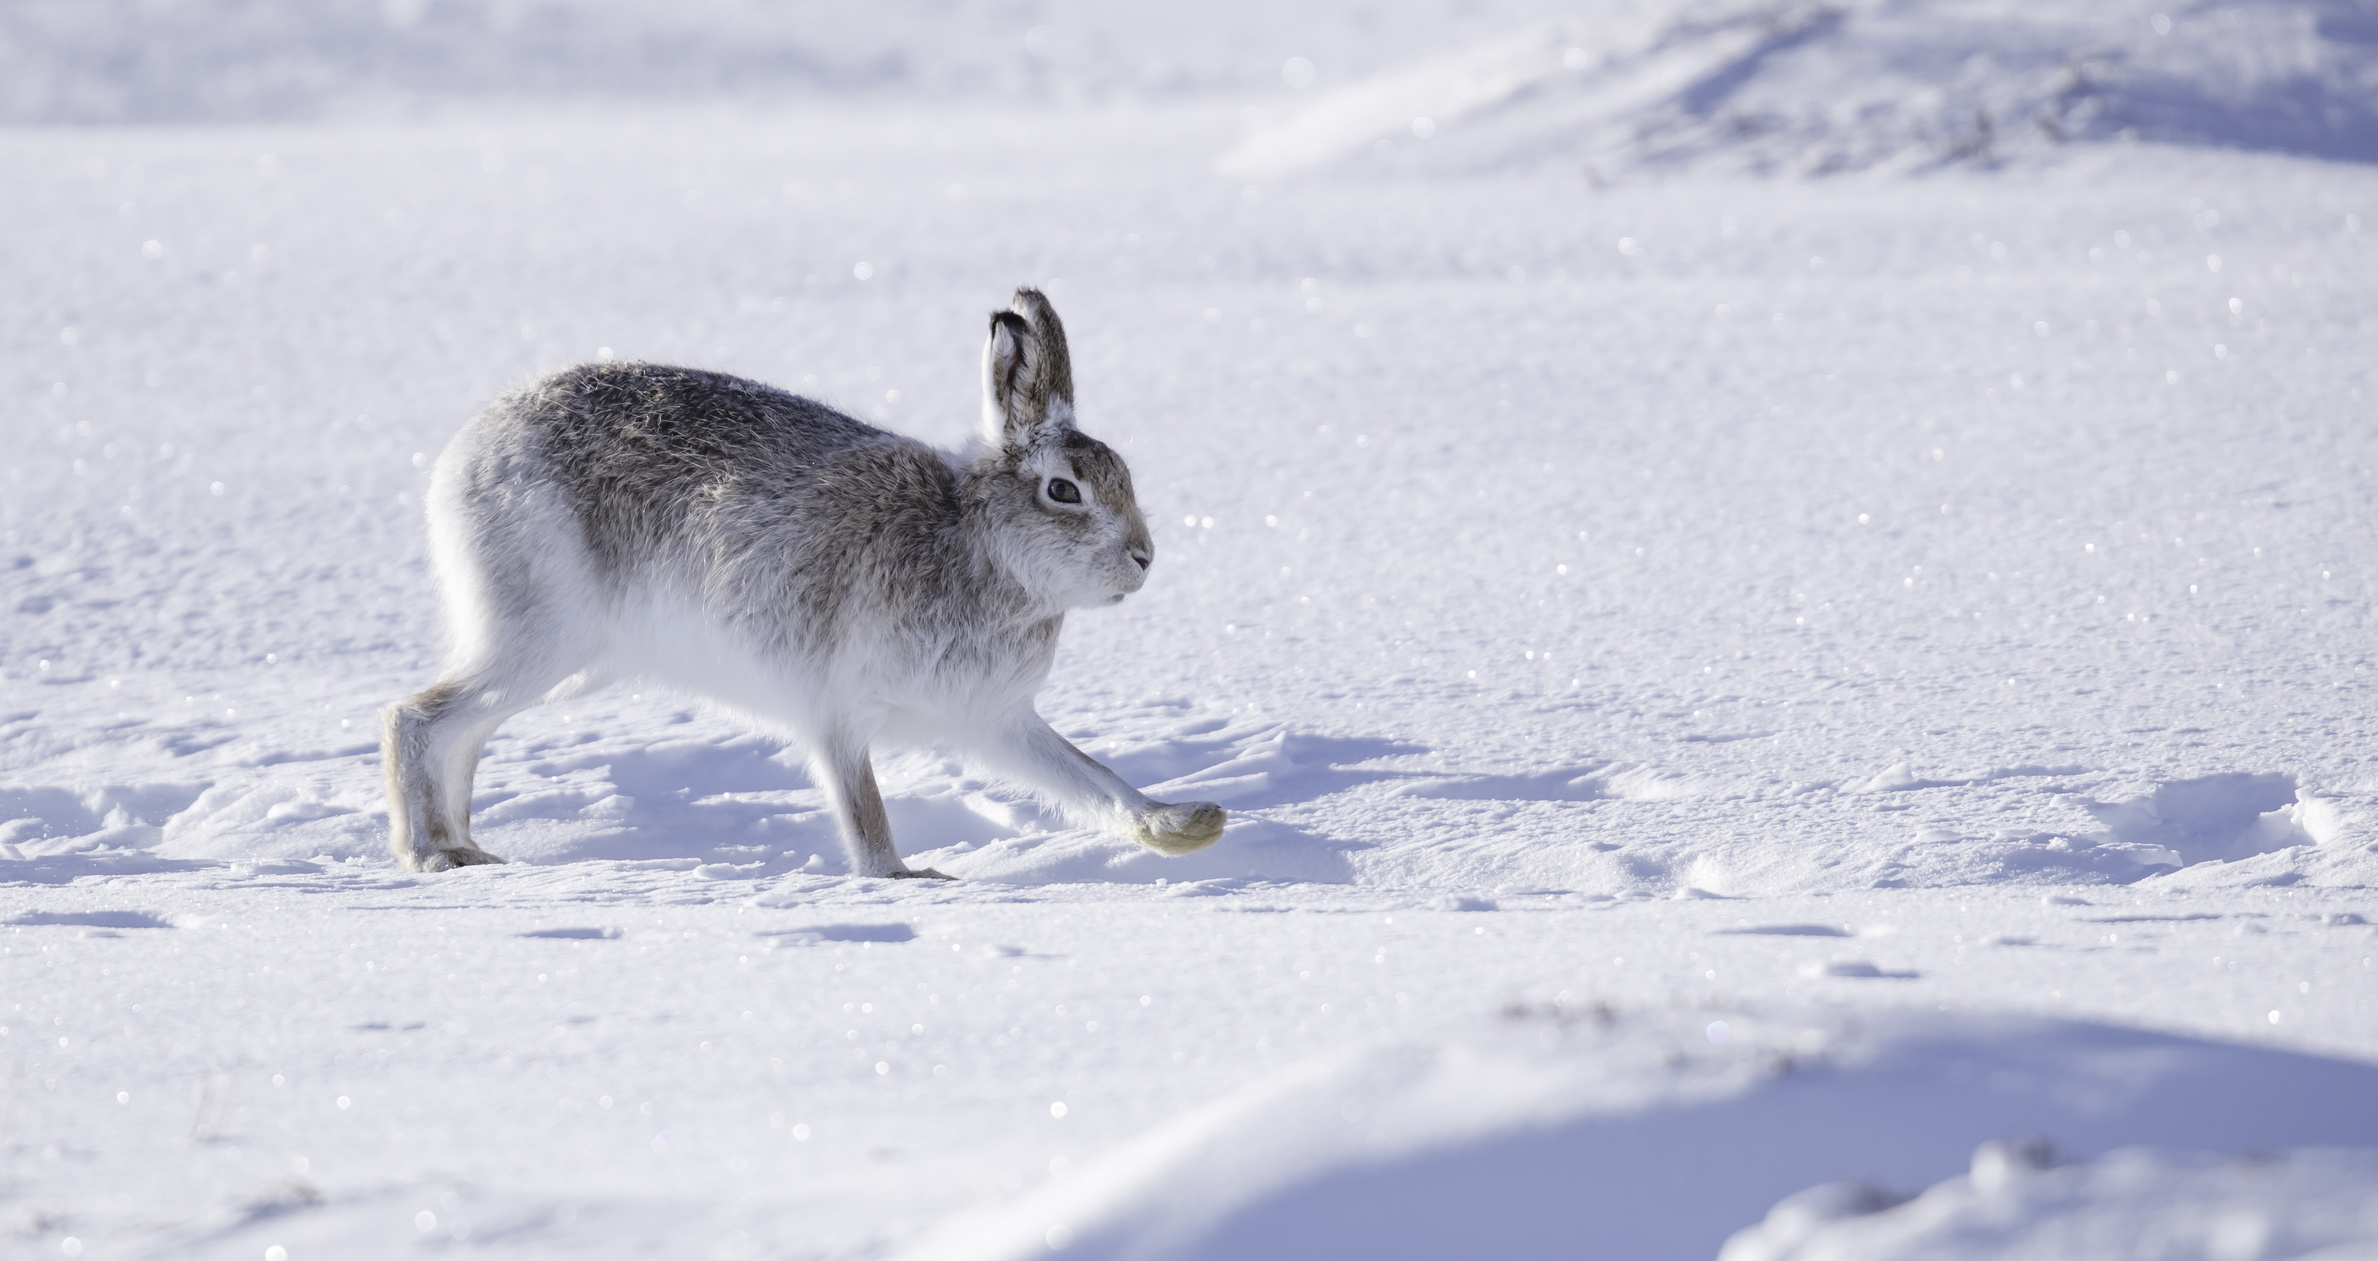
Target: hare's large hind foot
[(449, 859), (920, 873), (1183, 829)]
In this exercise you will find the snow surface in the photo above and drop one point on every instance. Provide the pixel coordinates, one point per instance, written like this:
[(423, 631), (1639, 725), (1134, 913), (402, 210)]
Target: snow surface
[(1742, 699)]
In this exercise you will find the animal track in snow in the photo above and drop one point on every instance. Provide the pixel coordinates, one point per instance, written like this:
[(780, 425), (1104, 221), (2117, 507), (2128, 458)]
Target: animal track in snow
[(2218, 818)]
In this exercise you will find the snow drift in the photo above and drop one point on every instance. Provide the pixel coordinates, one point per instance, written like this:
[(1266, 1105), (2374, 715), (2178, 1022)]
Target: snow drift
[(1593, 1133)]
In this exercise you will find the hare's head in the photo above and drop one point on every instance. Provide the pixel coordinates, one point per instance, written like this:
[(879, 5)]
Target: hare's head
[(1061, 511)]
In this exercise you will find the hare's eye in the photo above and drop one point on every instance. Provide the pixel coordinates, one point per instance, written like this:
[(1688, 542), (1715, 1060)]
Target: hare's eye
[(1064, 492)]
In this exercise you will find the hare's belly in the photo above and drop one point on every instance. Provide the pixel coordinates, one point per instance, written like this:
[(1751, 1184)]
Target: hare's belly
[(694, 650), (878, 677)]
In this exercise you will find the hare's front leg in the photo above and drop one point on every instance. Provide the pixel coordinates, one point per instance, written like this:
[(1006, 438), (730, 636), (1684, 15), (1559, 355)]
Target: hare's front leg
[(841, 767), (1036, 754)]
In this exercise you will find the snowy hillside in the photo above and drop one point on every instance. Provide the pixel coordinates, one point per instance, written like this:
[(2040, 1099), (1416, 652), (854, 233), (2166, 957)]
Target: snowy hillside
[(1804, 88), (1764, 716)]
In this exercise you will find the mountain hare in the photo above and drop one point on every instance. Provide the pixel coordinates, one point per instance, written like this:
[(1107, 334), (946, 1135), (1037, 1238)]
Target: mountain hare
[(830, 579)]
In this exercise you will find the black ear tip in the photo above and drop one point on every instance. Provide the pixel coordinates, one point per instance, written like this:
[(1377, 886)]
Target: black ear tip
[(1015, 324)]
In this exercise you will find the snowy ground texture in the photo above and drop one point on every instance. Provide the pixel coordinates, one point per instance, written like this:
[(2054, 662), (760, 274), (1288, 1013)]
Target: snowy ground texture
[(1780, 595)]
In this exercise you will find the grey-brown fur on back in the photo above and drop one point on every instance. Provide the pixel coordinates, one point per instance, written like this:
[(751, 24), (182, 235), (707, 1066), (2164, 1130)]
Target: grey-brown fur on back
[(835, 580), (746, 498)]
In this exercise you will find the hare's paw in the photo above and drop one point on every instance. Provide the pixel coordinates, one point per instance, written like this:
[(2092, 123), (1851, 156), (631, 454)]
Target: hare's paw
[(1183, 829), (449, 859), (920, 873)]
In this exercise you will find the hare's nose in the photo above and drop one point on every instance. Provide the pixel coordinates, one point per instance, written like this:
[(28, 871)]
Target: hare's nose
[(1143, 560)]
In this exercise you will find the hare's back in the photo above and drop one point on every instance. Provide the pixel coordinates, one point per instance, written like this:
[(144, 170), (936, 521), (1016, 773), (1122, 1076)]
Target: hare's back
[(646, 454), (636, 423)]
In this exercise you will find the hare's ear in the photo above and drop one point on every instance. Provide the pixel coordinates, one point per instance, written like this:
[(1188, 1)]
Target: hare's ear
[(1057, 361), (1021, 405)]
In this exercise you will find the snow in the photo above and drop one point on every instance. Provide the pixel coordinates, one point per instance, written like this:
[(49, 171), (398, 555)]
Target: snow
[(1464, 1146), (2139, 1202), (1789, 87), (1756, 683)]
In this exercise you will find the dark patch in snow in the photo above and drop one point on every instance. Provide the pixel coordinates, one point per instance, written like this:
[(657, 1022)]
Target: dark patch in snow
[(1863, 969), (94, 919), (1854, 969), (842, 932)]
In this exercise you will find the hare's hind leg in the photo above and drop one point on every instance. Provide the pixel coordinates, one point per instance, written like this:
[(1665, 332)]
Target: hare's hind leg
[(522, 638), (430, 750), (418, 741), (521, 604)]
